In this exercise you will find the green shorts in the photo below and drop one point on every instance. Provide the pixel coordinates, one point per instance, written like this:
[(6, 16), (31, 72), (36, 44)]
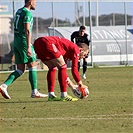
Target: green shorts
[(20, 50)]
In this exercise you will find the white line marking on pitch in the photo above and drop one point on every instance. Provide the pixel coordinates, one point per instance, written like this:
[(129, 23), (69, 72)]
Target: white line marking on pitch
[(93, 117), (67, 118)]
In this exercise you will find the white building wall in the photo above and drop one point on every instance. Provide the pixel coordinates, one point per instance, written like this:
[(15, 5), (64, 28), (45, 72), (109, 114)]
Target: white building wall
[(5, 26)]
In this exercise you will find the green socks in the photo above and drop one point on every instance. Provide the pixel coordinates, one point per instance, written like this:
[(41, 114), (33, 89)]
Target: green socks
[(12, 77), (33, 78)]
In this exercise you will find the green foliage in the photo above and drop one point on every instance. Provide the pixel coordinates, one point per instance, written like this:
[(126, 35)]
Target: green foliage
[(108, 108)]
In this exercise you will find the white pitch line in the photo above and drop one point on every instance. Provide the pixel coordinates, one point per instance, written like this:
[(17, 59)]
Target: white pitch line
[(66, 118), (93, 117), (111, 115)]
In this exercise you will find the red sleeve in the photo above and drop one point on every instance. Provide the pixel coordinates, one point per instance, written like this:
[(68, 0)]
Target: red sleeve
[(74, 69)]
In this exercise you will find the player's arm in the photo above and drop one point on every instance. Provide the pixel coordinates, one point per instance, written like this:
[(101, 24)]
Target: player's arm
[(75, 73), (28, 37), (87, 40), (76, 76), (72, 37), (74, 69)]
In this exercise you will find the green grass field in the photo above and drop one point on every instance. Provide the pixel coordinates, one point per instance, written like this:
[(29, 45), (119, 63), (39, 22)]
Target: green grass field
[(108, 108)]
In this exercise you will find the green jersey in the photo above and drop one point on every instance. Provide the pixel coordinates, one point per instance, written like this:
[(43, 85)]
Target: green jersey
[(23, 15)]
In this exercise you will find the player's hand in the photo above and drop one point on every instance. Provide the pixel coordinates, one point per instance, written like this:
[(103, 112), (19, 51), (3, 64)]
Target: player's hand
[(70, 84), (80, 84), (29, 52)]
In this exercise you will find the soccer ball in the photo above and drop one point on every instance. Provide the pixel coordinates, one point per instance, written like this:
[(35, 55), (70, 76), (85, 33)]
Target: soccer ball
[(81, 92)]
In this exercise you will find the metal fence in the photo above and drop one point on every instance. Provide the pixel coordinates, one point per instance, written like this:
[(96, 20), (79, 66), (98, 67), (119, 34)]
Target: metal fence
[(59, 13)]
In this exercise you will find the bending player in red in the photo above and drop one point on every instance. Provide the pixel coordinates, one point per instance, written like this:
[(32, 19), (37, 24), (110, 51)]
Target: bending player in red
[(54, 51)]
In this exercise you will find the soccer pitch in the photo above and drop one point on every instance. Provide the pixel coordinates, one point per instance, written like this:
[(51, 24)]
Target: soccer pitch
[(107, 109)]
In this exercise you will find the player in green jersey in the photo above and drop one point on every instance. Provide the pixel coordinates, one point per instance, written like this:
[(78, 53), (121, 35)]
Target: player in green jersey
[(23, 49)]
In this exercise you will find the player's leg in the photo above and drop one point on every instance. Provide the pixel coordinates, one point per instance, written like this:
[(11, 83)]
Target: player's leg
[(13, 76), (17, 73), (33, 76), (84, 67), (62, 77), (51, 78)]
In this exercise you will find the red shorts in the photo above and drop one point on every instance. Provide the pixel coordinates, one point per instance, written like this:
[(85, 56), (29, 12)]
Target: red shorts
[(46, 50)]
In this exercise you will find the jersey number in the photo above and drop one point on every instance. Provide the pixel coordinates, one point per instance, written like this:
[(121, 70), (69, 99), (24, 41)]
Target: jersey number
[(16, 21)]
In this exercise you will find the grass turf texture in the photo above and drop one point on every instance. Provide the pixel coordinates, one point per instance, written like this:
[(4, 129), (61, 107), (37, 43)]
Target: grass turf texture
[(108, 108)]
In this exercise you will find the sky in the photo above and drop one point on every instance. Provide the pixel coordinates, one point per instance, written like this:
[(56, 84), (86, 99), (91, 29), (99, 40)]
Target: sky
[(67, 10)]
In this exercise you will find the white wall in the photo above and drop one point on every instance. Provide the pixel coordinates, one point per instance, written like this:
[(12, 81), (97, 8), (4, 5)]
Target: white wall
[(5, 24)]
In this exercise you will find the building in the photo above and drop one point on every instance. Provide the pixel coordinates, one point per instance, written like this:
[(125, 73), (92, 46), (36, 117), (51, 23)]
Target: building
[(5, 26), (5, 30), (110, 45)]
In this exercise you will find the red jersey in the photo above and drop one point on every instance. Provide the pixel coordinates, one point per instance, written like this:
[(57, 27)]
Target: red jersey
[(50, 47)]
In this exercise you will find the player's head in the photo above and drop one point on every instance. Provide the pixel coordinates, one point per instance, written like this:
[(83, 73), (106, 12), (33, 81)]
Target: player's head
[(84, 50), (31, 4), (82, 30)]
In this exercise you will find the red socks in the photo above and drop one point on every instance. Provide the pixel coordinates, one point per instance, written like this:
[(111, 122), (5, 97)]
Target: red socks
[(51, 78), (62, 77)]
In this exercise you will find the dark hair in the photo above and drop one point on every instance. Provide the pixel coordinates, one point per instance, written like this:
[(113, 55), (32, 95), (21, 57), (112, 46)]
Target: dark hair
[(82, 27), (27, 1)]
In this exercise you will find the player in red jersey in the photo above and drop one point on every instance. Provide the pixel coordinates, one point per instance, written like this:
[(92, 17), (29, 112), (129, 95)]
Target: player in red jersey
[(54, 51)]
